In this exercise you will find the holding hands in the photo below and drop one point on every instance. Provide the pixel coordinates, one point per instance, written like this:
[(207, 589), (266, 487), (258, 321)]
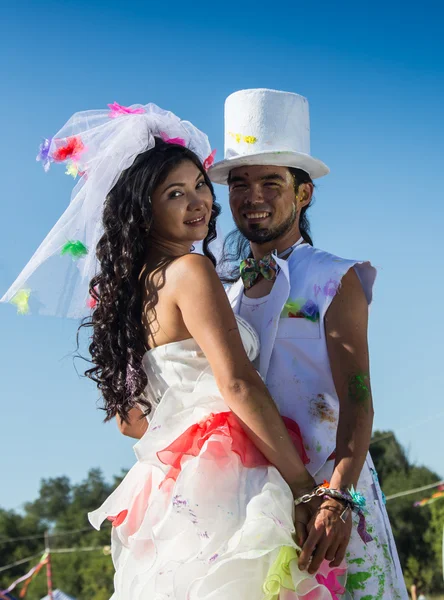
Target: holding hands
[(323, 523)]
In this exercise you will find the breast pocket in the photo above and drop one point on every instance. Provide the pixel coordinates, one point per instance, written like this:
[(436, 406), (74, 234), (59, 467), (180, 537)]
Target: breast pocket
[(295, 328)]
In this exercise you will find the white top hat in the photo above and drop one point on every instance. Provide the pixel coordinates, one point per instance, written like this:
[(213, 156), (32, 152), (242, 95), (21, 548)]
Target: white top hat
[(267, 127)]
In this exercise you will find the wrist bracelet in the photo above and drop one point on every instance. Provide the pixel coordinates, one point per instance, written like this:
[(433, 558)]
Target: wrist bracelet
[(317, 492), (354, 501), (343, 514)]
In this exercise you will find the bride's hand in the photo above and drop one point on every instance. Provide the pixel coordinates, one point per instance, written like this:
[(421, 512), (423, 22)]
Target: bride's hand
[(304, 512), (303, 519)]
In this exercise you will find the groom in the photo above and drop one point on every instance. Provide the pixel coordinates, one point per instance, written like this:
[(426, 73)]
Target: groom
[(310, 309)]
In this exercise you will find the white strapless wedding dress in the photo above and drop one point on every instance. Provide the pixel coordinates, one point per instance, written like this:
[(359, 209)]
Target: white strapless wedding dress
[(202, 515)]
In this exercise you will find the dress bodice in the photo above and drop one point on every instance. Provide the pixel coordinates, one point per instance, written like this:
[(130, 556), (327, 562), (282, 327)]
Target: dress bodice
[(182, 364)]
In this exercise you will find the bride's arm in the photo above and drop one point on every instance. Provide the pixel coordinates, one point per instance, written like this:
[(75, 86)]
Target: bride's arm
[(209, 319)]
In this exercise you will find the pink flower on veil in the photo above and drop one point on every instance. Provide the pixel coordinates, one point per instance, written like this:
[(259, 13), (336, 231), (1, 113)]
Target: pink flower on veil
[(118, 110), (177, 140), (208, 162)]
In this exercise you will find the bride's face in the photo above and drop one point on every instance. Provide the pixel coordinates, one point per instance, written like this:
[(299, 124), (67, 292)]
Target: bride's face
[(182, 205)]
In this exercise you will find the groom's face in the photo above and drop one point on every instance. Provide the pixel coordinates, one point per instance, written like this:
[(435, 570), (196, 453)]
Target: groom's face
[(263, 202)]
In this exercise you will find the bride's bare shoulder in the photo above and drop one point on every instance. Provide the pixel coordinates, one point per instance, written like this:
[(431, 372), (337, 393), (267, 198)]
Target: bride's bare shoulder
[(192, 267)]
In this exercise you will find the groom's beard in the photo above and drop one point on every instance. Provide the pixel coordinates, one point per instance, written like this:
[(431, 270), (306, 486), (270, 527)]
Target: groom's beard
[(254, 233)]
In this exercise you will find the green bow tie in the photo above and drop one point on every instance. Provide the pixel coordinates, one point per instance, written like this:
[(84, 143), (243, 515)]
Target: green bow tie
[(251, 269)]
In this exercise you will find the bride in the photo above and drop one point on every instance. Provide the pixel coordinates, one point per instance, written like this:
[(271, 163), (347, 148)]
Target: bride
[(207, 510)]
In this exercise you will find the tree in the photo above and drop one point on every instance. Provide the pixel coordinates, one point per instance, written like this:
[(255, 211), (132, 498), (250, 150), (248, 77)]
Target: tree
[(14, 525), (434, 537), (413, 527), (388, 455), (53, 500), (62, 508)]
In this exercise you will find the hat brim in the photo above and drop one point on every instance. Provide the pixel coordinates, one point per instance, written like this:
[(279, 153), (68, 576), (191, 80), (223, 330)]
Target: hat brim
[(219, 172)]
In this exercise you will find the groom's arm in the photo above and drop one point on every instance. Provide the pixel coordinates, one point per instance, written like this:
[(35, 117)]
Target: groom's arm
[(346, 332), (346, 324)]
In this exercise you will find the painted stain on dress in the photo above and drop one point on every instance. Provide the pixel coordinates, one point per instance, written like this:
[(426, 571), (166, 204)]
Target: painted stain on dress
[(179, 502), (356, 561), (273, 517), (356, 581), (378, 573), (331, 288), (386, 553), (320, 410)]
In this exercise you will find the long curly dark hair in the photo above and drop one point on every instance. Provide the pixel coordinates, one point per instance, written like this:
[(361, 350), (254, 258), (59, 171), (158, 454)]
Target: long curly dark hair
[(236, 246), (118, 342)]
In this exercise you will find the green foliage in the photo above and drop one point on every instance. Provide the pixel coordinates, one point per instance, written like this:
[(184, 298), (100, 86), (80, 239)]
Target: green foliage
[(61, 507), (388, 455), (418, 531), (434, 536), (13, 525)]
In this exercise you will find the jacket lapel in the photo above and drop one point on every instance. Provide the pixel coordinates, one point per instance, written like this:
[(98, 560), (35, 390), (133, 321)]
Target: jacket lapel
[(234, 294), (276, 300)]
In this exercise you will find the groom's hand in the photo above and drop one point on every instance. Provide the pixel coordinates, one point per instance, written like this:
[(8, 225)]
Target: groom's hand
[(327, 536)]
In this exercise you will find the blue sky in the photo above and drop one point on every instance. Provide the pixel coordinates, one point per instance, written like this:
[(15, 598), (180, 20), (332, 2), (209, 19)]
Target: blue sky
[(374, 77)]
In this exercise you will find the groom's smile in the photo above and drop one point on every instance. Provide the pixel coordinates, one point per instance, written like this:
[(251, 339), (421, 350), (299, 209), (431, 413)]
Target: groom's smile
[(262, 200)]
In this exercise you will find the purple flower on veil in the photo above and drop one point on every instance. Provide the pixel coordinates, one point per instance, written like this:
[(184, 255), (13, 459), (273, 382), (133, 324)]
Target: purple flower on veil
[(43, 154)]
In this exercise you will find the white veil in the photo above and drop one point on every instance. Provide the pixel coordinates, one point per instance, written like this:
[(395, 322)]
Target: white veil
[(98, 145)]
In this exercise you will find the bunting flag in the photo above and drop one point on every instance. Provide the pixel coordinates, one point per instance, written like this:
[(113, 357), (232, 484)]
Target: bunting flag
[(433, 498), (28, 575), (43, 562)]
